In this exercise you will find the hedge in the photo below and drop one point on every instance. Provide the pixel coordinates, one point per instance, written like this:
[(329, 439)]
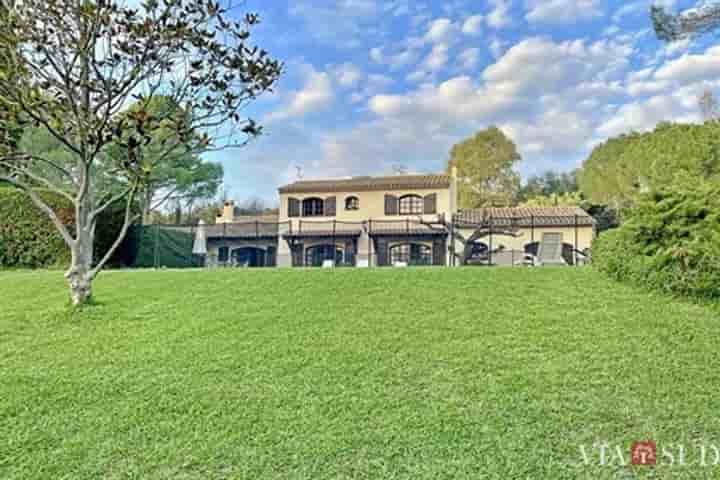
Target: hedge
[(28, 239), (670, 242)]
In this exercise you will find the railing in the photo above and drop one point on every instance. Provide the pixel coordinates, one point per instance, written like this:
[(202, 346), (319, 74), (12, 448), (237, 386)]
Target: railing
[(405, 227), (247, 230), (327, 227), (174, 246)]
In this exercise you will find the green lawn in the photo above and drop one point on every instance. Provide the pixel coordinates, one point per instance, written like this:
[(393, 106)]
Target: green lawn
[(417, 374)]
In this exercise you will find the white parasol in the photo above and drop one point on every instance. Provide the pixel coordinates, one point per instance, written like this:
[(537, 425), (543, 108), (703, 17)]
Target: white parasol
[(200, 244)]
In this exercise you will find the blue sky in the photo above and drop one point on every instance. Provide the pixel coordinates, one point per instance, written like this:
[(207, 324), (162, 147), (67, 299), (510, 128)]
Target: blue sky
[(371, 84)]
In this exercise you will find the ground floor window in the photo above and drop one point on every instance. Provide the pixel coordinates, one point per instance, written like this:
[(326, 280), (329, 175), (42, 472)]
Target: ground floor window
[(317, 255), (249, 257), (411, 253)]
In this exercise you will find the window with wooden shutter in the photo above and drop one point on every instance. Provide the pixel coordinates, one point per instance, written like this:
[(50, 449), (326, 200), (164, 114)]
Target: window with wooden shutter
[(391, 205), (330, 206), (431, 204), (293, 207), (412, 205), (313, 207)]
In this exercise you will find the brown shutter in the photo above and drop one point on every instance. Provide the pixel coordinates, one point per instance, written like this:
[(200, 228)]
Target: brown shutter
[(392, 205), (330, 206), (293, 207), (431, 204)]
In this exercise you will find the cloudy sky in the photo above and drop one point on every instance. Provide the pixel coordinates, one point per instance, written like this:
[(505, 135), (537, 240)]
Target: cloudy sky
[(371, 84)]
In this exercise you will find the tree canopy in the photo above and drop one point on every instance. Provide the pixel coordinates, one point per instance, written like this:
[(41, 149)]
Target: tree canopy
[(177, 174), (486, 169), (695, 21), (75, 66), (621, 168), (549, 183)]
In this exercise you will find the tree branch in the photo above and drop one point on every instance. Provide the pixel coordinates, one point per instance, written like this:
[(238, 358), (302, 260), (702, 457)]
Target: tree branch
[(39, 179), (69, 240), (129, 219)]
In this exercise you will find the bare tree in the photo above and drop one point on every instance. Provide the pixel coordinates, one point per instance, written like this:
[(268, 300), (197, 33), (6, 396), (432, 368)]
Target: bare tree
[(83, 62), (696, 21), (709, 107)]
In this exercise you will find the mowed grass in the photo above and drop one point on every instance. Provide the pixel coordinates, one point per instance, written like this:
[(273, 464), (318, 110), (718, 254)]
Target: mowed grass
[(416, 374)]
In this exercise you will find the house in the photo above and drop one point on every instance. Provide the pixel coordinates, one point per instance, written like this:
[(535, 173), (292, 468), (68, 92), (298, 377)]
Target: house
[(394, 220)]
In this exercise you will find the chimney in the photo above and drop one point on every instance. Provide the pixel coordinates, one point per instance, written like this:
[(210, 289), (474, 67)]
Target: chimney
[(228, 215)]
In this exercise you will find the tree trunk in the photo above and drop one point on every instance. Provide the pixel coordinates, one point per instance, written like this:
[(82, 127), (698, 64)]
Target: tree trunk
[(80, 285), (80, 275)]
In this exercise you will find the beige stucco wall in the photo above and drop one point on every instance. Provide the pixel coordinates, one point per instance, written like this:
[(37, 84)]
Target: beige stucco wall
[(372, 207), (585, 237)]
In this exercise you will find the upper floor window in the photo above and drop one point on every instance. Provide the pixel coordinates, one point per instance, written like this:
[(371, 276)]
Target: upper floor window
[(412, 205), (313, 207), (352, 203)]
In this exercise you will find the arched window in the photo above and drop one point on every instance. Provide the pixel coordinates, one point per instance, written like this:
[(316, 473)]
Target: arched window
[(352, 203), (313, 207), (411, 254), (411, 205)]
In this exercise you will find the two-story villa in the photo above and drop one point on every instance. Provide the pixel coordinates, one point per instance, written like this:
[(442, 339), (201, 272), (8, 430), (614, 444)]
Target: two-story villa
[(366, 220), (384, 221)]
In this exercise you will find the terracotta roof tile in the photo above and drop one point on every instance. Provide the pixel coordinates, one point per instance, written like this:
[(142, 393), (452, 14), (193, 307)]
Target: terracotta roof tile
[(362, 184), (527, 216)]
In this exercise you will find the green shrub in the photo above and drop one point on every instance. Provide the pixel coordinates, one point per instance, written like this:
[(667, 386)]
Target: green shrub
[(28, 239), (669, 242)]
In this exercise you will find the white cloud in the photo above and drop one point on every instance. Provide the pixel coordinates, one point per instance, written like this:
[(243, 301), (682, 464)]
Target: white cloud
[(537, 65), (690, 68), (341, 24), (370, 86), (395, 60), (315, 95), (557, 131), (562, 11), (546, 94), (497, 47), (469, 58), (437, 58), (347, 75), (473, 25), (500, 17), (442, 30), (417, 76), (646, 114), (639, 7)]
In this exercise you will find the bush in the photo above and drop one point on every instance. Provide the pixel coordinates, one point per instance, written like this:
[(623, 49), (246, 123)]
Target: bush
[(28, 239), (669, 242)]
